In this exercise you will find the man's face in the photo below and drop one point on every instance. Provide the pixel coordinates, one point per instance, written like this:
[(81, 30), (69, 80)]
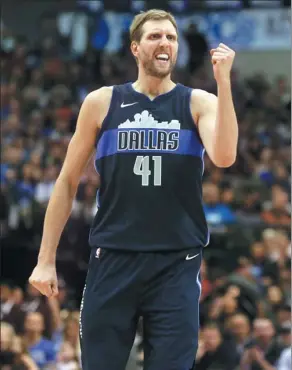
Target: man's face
[(5, 292), (34, 323), (240, 326), (157, 50), (264, 330), (212, 339), (211, 194)]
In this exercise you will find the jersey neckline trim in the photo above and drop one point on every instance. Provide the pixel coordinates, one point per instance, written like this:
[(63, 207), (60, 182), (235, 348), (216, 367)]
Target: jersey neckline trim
[(158, 97)]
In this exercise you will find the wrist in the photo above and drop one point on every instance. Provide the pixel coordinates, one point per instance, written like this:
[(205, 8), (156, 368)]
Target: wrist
[(224, 82), (46, 259)]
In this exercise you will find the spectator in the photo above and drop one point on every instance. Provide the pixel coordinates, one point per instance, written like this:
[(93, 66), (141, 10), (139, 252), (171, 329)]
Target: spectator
[(67, 359), (35, 302), (71, 332), (17, 295), (41, 349), (263, 351), (10, 311), (238, 326), (6, 339), (283, 313), (45, 187), (217, 214), (285, 334), (12, 354), (285, 360), (278, 213), (214, 352)]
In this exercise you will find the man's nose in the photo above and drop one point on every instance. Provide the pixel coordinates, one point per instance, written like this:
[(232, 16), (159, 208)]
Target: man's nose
[(164, 41)]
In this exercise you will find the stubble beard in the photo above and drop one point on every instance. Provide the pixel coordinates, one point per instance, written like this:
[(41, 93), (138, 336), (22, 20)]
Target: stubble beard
[(153, 71)]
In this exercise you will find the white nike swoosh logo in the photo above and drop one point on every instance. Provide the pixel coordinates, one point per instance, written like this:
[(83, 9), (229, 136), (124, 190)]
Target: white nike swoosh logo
[(127, 105), (188, 257)]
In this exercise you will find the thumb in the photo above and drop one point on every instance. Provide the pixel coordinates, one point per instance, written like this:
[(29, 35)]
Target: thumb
[(54, 287)]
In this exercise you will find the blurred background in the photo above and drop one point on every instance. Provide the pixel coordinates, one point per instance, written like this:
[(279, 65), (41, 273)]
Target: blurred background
[(53, 53)]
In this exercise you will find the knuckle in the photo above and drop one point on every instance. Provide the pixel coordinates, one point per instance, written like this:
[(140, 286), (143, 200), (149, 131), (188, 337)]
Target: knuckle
[(41, 285)]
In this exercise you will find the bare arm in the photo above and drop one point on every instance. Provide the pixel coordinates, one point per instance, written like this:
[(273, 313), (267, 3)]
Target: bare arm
[(28, 362), (80, 150), (54, 308), (245, 362), (216, 117), (264, 364), (217, 124)]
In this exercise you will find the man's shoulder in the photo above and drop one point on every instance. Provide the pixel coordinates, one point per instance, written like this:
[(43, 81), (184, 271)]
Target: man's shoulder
[(45, 343), (102, 94), (201, 102), (199, 95)]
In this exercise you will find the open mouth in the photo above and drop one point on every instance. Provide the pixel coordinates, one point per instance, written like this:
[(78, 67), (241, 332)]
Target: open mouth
[(162, 57)]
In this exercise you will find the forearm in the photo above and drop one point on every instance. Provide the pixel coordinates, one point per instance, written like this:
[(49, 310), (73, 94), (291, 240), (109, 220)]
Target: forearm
[(57, 214), (226, 129), (28, 362), (54, 307), (265, 365), (245, 363)]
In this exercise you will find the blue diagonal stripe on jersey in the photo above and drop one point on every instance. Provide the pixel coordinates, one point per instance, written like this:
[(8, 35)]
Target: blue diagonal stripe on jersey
[(189, 144)]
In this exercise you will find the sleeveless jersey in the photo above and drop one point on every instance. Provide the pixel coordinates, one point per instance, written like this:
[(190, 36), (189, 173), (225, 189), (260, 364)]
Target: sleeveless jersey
[(150, 160)]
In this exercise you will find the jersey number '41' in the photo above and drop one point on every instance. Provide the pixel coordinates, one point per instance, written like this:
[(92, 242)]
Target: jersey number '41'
[(142, 168)]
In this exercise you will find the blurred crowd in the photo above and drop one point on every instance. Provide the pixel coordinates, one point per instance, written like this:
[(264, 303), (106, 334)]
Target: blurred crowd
[(246, 273)]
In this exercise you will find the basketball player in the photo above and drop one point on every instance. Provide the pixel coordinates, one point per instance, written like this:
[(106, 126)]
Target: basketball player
[(149, 232)]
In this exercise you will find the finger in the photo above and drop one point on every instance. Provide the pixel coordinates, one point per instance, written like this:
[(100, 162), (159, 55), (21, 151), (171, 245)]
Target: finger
[(218, 59), (39, 287), (224, 46), (218, 54), (212, 51), (35, 283), (48, 290), (42, 287), (222, 50)]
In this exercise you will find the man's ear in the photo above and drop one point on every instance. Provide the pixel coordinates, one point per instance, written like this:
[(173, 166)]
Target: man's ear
[(134, 48)]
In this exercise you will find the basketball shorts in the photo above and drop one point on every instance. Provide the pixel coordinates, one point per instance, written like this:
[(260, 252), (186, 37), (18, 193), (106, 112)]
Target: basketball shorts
[(162, 288)]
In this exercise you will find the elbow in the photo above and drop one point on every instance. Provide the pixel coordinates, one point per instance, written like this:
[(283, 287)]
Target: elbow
[(225, 161), (66, 182)]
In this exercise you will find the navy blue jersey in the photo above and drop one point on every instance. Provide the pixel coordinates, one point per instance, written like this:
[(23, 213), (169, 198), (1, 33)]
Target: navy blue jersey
[(150, 160)]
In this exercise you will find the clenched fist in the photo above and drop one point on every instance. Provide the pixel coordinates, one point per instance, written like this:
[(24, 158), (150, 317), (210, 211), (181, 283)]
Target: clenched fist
[(44, 279), (222, 60)]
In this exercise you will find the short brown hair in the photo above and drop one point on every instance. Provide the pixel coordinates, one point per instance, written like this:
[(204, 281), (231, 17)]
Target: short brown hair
[(151, 15)]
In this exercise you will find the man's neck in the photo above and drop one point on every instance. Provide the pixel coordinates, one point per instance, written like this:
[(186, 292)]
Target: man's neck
[(32, 338), (153, 86)]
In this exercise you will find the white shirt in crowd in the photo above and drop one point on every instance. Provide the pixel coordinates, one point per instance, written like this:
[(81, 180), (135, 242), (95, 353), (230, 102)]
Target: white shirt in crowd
[(285, 362)]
